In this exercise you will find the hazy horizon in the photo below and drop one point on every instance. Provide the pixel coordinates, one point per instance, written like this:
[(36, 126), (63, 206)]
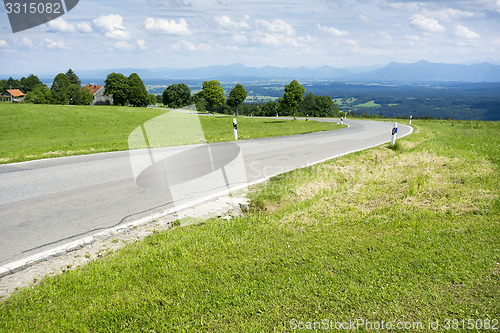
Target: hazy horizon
[(283, 33)]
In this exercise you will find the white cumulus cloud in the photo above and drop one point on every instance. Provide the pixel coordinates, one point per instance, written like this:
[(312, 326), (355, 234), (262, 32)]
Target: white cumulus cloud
[(84, 27), (112, 26), (60, 25), (226, 22), (3, 44), (119, 34), (51, 44), (427, 23), (26, 41), (333, 31), (447, 14), (167, 26), (278, 26), (279, 40), (464, 32)]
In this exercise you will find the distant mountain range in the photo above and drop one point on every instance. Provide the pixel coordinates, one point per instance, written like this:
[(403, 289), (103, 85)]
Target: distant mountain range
[(227, 72), (422, 71), (426, 71)]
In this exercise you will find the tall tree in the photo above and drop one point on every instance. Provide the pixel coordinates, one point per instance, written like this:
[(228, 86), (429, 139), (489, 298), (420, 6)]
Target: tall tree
[(3, 85), (116, 84), (330, 109), (61, 89), (177, 95), (67, 89), (13, 84), (213, 94), (138, 95), (152, 99), (236, 96), (73, 78), (29, 83), (294, 94), (159, 99)]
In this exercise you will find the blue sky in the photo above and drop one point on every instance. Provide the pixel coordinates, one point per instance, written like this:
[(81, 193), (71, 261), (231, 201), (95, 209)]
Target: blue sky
[(286, 33)]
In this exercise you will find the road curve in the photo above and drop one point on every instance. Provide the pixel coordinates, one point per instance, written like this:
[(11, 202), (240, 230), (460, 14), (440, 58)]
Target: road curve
[(47, 203)]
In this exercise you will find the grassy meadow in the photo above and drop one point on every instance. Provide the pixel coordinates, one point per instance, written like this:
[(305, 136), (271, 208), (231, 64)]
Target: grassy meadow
[(29, 131), (370, 104), (400, 235)]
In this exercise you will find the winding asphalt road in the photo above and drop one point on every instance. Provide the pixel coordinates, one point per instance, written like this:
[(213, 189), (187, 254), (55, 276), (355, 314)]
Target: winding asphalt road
[(47, 203)]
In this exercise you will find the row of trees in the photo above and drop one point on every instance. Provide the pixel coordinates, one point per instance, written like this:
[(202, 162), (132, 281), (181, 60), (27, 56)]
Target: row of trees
[(26, 84), (212, 98), (65, 89), (128, 90)]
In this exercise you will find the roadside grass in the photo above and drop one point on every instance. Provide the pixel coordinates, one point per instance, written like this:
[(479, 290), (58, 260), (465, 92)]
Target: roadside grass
[(29, 131), (406, 235), (220, 128)]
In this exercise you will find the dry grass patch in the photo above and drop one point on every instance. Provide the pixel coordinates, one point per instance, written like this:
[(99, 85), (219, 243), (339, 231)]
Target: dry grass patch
[(381, 177), (421, 179)]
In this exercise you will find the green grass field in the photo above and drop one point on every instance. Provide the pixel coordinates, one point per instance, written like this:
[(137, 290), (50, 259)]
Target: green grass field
[(370, 104), (342, 101), (29, 131), (399, 235)]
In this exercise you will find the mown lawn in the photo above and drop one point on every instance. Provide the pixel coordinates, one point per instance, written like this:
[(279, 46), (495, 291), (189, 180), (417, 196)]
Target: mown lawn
[(398, 235), (29, 131)]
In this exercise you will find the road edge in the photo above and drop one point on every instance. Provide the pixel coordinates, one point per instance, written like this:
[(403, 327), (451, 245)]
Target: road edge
[(22, 264)]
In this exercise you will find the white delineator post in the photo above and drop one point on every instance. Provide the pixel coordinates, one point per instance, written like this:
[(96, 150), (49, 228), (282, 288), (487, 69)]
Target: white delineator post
[(235, 126), (341, 120), (394, 134), (411, 117)]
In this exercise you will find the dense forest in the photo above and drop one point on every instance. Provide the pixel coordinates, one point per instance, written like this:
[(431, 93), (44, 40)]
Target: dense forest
[(466, 101), (440, 100), (454, 100)]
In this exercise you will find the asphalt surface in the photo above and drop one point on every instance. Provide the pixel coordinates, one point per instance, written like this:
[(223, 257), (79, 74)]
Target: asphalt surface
[(47, 203)]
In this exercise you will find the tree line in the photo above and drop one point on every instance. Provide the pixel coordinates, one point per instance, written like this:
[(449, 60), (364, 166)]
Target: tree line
[(66, 89), (26, 84), (212, 99)]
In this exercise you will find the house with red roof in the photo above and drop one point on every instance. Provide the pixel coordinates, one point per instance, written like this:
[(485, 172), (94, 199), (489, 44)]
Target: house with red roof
[(99, 97), (12, 95)]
